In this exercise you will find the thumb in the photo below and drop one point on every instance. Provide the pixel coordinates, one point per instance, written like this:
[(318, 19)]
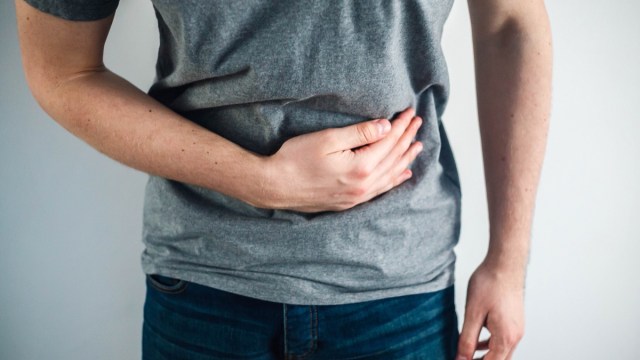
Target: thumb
[(363, 133), (469, 335)]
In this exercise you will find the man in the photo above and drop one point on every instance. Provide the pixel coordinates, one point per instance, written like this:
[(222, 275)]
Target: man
[(306, 171)]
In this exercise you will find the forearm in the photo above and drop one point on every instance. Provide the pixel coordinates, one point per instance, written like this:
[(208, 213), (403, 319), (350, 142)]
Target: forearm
[(513, 82), (127, 125)]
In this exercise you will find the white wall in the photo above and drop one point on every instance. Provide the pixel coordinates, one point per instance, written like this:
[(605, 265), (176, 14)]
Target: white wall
[(71, 286), (583, 293), (70, 218)]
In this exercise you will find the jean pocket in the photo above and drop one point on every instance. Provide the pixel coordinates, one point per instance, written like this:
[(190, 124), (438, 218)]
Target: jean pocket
[(165, 284)]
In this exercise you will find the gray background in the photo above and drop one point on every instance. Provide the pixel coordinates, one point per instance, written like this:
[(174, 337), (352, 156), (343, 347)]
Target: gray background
[(70, 218)]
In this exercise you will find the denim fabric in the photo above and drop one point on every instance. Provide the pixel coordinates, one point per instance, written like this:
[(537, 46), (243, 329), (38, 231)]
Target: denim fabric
[(184, 320)]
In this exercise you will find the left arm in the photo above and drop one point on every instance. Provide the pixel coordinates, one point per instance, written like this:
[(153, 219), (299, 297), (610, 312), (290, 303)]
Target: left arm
[(513, 66)]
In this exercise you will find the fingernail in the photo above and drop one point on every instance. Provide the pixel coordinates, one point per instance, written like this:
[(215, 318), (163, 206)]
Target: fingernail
[(383, 126), (418, 148)]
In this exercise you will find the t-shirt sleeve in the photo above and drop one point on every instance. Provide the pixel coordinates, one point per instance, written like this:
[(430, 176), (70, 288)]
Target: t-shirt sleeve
[(79, 10)]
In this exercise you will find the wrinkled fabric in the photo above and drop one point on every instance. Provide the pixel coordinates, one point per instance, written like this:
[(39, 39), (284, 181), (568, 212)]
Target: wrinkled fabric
[(260, 72)]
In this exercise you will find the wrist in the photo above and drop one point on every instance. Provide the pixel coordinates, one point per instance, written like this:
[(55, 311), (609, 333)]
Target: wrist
[(511, 268), (502, 277), (265, 189), (508, 261)]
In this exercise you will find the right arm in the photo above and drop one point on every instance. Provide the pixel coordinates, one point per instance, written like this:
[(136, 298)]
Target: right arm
[(65, 72)]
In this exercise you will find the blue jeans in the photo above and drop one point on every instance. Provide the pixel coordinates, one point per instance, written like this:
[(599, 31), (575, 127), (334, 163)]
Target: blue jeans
[(184, 320)]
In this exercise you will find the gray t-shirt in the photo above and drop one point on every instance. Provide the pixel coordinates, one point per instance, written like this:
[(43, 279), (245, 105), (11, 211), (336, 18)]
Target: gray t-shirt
[(259, 72)]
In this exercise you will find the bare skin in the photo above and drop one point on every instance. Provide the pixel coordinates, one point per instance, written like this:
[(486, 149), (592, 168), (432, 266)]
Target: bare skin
[(513, 57), (333, 169), (314, 166), (513, 65)]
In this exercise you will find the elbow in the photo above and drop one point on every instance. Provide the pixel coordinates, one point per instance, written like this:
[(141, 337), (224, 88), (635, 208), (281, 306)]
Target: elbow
[(506, 26), (47, 84), (39, 84), (510, 33), (513, 37)]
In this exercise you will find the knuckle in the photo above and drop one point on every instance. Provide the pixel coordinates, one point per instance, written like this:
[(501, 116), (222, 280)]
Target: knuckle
[(509, 342), (366, 133), (398, 179), (406, 159), (409, 151), (513, 338), (405, 144), (498, 347), (391, 184), (330, 138), (502, 343), (358, 191), (362, 171), (413, 149), (466, 346)]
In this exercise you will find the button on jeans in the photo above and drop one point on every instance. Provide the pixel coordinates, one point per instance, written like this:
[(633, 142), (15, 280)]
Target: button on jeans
[(184, 320)]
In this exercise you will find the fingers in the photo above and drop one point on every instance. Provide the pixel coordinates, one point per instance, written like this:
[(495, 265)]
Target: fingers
[(399, 168), (349, 137), (468, 341), (502, 345), (370, 156), (483, 345), (397, 180), (395, 149), (497, 353), (403, 153), (510, 355), (393, 169)]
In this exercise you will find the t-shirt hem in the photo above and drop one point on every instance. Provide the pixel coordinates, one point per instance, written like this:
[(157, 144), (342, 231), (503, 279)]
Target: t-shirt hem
[(265, 293)]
